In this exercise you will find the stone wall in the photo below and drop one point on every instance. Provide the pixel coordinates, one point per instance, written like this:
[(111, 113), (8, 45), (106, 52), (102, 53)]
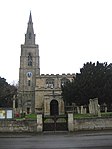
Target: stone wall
[(78, 124), (18, 126), (92, 124)]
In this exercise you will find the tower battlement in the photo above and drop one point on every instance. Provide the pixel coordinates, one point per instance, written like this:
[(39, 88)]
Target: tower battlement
[(58, 75)]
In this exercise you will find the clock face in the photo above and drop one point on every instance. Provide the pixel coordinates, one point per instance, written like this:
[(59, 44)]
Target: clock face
[(29, 74)]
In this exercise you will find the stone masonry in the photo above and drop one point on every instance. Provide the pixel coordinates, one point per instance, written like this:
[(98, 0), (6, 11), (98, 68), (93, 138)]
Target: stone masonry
[(38, 92)]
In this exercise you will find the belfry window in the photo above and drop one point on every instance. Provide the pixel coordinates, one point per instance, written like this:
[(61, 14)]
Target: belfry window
[(29, 83), (29, 59), (29, 35), (50, 83)]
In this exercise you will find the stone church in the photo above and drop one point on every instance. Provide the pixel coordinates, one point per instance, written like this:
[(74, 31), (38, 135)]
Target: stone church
[(38, 92)]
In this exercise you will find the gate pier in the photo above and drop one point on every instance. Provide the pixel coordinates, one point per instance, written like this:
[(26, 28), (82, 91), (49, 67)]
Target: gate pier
[(70, 122), (39, 122)]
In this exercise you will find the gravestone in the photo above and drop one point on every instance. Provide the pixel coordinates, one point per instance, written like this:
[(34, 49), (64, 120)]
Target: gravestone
[(99, 113), (83, 110), (105, 109), (78, 110), (94, 107)]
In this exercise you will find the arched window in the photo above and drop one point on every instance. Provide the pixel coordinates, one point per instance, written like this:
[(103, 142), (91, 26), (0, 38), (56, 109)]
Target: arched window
[(29, 59), (50, 83), (64, 81)]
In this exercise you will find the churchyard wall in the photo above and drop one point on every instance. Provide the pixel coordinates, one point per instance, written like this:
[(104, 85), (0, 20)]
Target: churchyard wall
[(18, 125), (78, 124), (92, 124)]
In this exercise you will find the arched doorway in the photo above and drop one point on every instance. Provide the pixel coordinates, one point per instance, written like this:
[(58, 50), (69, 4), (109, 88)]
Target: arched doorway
[(54, 107)]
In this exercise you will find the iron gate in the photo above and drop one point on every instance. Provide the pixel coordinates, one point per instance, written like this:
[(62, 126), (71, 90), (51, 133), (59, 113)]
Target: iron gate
[(55, 123)]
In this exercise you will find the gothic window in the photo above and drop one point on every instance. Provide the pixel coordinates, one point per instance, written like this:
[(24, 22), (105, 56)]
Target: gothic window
[(64, 81), (29, 59), (50, 83)]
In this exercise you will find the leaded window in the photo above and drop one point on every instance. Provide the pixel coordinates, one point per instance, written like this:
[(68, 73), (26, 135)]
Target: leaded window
[(50, 83)]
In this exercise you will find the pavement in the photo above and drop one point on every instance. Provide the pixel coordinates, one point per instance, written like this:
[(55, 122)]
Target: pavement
[(57, 140)]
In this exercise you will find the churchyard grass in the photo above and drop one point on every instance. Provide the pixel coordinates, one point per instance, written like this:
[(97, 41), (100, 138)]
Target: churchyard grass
[(80, 116), (106, 114), (88, 115), (77, 116), (31, 116), (27, 117)]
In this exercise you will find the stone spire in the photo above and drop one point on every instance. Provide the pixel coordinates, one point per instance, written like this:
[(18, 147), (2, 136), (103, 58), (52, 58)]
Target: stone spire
[(30, 18), (30, 36)]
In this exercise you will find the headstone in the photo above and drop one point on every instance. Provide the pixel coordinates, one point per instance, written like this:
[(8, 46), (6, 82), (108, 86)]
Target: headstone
[(94, 107), (78, 110), (105, 109), (99, 113), (83, 110), (90, 106)]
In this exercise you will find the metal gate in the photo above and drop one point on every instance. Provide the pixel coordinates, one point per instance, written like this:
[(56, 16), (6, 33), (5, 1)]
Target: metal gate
[(55, 123)]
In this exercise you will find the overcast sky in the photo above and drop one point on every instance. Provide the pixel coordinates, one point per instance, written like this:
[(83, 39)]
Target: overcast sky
[(69, 33)]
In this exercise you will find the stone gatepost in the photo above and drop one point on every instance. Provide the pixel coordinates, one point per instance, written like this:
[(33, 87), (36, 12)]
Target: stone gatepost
[(39, 122), (70, 122)]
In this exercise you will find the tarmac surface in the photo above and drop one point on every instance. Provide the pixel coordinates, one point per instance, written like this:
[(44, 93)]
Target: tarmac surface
[(56, 140)]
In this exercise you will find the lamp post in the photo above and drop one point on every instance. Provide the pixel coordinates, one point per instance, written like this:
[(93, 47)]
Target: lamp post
[(14, 105)]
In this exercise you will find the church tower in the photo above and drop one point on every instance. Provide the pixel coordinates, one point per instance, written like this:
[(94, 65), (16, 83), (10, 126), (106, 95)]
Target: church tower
[(29, 68)]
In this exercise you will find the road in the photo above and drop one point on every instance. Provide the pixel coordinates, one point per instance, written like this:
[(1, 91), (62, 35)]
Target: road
[(84, 140)]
